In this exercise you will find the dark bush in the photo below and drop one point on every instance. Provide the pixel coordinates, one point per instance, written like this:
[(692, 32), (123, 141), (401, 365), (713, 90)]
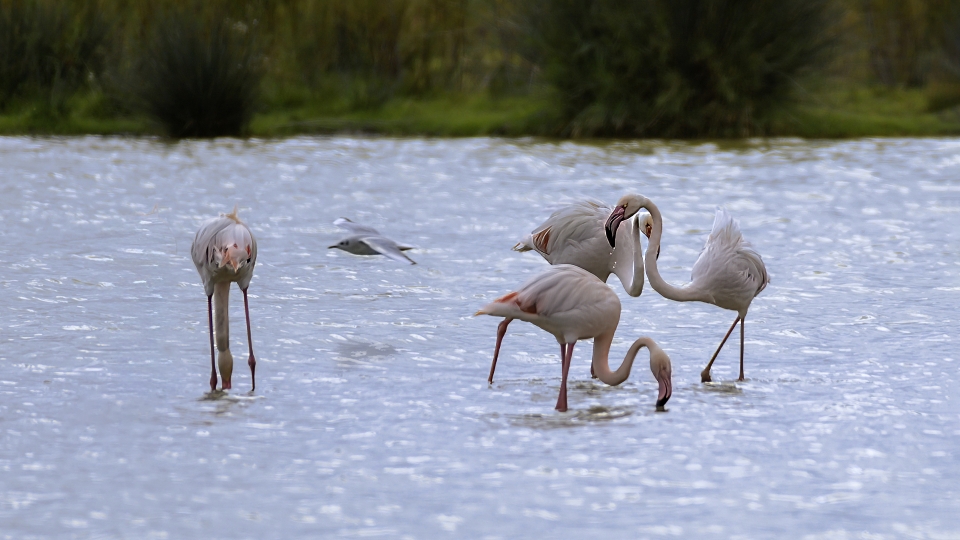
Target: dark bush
[(49, 47), (944, 92), (674, 67), (949, 42), (901, 38), (198, 76)]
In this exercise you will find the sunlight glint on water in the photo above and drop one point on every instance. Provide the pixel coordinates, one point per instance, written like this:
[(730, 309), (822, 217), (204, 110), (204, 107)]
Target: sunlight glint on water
[(372, 415)]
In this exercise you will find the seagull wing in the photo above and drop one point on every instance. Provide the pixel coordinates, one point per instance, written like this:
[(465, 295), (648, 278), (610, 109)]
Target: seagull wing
[(388, 247), (355, 228)]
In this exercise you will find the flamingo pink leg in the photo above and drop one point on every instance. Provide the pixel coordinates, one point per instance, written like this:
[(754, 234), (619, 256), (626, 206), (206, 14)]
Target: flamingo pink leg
[(567, 357), (705, 374), (741, 350), (252, 362), (213, 362), (501, 331)]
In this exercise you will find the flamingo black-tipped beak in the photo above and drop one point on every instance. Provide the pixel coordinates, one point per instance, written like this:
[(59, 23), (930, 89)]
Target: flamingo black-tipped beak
[(666, 390), (613, 222)]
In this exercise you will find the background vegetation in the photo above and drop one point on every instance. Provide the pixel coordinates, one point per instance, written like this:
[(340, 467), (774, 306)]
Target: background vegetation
[(675, 68)]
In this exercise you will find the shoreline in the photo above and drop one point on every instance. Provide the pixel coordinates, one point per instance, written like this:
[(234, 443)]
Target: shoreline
[(843, 113)]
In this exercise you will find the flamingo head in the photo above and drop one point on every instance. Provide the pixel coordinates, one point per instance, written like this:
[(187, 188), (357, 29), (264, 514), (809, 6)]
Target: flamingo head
[(646, 225), (663, 372), (233, 256), (626, 208)]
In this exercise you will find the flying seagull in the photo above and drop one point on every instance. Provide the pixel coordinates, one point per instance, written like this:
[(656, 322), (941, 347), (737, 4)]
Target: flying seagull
[(365, 240)]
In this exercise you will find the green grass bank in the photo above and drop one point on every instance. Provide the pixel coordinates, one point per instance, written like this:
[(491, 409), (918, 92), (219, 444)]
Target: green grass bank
[(838, 112)]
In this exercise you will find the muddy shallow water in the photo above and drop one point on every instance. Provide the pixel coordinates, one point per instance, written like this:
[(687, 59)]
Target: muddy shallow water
[(372, 416)]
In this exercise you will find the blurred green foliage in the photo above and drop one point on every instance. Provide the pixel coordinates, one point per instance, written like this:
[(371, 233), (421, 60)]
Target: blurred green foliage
[(676, 67), (49, 48), (197, 76), (687, 68), (905, 38)]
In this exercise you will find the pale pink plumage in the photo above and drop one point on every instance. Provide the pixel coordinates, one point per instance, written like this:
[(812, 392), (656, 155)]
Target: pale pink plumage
[(729, 273), (575, 235), (573, 304), (225, 251)]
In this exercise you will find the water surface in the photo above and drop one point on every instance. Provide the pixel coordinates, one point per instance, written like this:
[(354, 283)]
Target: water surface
[(372, 416)]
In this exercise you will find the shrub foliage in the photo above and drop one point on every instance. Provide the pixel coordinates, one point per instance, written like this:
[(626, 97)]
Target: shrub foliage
[(49, 47), (674, 67), (198, 76)]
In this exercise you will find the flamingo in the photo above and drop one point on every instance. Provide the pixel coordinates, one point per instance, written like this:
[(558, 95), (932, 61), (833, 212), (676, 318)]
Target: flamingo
[(572, 304), (575, 235), (729, 273), (224, 252)]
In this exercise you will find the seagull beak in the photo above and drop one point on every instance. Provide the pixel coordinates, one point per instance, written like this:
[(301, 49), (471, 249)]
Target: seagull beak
[(613, 222), (331, 247), (666, 389)]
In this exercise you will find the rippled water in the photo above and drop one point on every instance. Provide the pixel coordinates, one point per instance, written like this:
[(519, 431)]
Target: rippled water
[(372, 415)]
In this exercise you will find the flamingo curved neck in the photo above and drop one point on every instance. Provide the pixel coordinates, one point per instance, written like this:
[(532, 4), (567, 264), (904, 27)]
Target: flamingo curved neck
[(221, 302), (628, 258), (601, 359), (668, 291)]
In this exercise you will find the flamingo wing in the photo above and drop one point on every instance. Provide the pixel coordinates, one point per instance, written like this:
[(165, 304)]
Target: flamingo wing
[(569, 227), (728, 267), (565, 300), (204, 250), (216, 235), (574, 235)]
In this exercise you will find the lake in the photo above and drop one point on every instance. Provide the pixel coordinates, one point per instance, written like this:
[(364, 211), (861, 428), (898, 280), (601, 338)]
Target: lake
[(372, 415)]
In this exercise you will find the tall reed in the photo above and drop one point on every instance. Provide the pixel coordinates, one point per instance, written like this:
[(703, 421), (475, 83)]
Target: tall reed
[(49, 48), (372, 50)]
